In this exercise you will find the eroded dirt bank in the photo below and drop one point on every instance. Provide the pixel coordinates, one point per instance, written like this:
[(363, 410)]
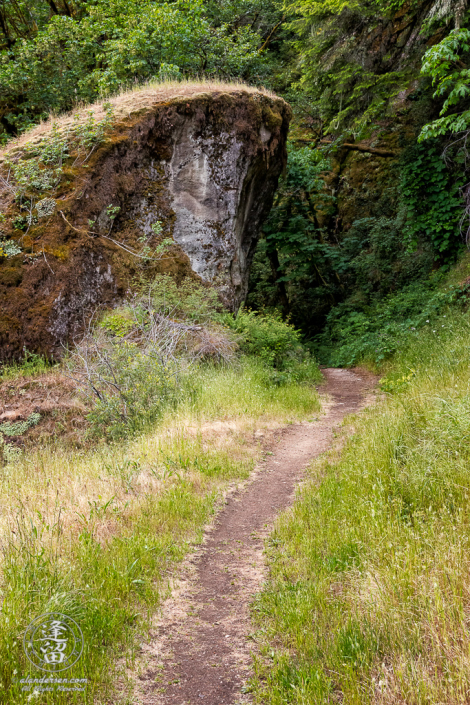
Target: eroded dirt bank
[(200, 653)]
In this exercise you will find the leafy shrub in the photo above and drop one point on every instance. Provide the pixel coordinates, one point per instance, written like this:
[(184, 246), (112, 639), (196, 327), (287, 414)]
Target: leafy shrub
[(137, 361), (133, 387), (432, 202), (267, 336), (106, 45), (17, 428), (277, 343), (190, 300), (9, 248), (8, 452), (379, 330), (443, 63), (134, 364), (117, 322)]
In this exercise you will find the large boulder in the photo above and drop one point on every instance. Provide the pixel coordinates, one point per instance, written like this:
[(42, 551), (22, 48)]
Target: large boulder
[(204, 164)]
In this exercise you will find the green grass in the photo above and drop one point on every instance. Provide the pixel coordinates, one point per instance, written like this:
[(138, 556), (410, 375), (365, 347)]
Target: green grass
[(368, 598), (31, 364), (95, 534)]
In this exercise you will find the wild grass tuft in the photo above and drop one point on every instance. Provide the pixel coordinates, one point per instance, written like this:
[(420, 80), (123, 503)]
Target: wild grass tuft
[(31, 364)]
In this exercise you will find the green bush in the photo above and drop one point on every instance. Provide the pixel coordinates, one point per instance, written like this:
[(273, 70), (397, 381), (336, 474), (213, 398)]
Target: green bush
[(430, 196), (378, 331), (145, 356), (277, 343), (133, 389), (190, 300)]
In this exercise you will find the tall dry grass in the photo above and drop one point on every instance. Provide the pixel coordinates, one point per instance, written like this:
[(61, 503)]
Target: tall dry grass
[(127, 102)]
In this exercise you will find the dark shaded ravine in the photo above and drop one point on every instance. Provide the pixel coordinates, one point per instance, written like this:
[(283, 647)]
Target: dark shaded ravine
[(201, 653)]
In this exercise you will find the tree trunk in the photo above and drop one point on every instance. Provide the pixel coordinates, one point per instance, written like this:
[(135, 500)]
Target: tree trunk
[(53, 7), (459, 13), (281, 286)]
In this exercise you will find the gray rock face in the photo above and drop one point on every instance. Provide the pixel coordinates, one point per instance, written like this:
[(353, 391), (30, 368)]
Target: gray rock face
[(203, 165), (206, 180), (219, 187)]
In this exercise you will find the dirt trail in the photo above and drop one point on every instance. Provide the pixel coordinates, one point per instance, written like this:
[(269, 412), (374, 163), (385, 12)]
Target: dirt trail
[(201, 651)]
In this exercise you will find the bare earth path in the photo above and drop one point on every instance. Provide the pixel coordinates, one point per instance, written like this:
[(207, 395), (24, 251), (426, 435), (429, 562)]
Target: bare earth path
[(201, 652)]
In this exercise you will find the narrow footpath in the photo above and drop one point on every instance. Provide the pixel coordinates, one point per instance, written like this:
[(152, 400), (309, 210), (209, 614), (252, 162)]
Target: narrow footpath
[(201, 652)]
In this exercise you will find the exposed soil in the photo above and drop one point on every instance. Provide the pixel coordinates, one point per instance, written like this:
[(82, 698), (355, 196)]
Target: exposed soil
[(52, 395), (201, 651)]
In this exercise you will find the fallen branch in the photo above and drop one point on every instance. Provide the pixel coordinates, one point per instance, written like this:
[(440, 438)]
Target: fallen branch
[(89, 233), (363, 148)]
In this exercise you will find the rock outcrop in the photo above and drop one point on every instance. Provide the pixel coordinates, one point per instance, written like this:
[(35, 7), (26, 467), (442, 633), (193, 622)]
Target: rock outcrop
[(203, 164)]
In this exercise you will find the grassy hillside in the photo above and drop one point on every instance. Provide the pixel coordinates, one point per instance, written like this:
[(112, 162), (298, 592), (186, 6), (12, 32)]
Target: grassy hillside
[(367, 599)]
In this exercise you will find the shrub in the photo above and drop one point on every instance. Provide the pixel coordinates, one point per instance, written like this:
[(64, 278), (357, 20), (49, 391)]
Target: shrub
[(380, 330), (277, 343), (132, 386), (8, 452), (190, 300), (133, 363)]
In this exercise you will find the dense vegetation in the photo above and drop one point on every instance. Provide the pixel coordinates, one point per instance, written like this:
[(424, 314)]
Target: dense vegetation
[(343, 65), (367, 597), (138, 492)]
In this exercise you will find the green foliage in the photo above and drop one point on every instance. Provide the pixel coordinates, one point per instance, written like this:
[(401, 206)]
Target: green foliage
[(8, 452), (117, 322), (18, 428), (134, 389), (9, 248), (368, 570), (267, 336), (321, 269), (108, 45), (347, 84), (189, 301), (277, 343), (450, 77), (292, 228), (31, 364), (431, 199), (376, 332)]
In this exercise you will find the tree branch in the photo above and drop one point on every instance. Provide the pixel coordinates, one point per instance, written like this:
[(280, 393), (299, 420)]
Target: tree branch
[(363, 148), (272, 33)]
